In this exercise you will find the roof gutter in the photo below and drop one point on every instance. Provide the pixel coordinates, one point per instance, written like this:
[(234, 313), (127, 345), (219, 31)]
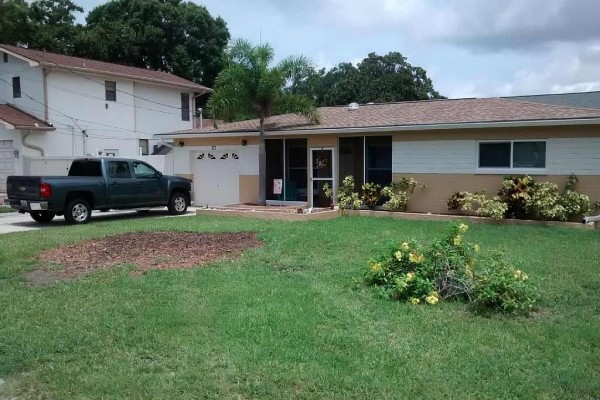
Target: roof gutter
[(197, 88), (31, 146), (392, 128)]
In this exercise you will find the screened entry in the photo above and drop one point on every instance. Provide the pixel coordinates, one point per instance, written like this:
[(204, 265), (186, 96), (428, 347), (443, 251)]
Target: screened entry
[(367, 159), (287, 170)]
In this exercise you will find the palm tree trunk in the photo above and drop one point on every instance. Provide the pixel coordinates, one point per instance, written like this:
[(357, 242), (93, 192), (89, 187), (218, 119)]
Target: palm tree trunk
[(262, 166)]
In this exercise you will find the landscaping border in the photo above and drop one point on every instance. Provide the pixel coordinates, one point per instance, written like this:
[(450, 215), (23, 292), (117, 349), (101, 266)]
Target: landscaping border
[(325, 215), (270, 215), (469, 218)]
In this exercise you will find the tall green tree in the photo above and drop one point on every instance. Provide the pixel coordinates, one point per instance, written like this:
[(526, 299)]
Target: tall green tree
[(15, 27), (167, 35), (53, 25), (250, 86), (377, 79)]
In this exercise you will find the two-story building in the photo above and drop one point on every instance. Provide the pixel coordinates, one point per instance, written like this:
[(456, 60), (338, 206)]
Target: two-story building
[(53, 105)]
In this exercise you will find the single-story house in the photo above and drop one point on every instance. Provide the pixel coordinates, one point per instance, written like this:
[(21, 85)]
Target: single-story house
[(448, 145)]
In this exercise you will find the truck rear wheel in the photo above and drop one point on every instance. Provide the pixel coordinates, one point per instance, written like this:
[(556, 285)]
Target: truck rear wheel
[(178, 203), (78, 211), (43, 217)]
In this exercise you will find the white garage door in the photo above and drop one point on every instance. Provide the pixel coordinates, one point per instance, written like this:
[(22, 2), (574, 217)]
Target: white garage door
[(7, 162), (216, 178)]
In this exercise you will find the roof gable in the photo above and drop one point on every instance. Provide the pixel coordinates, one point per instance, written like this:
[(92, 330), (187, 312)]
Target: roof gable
[(21, 120), (104, 68)]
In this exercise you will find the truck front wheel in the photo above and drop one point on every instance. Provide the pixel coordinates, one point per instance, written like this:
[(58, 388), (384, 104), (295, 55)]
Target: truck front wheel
[(178, 204), (78, 211), (43, 217)]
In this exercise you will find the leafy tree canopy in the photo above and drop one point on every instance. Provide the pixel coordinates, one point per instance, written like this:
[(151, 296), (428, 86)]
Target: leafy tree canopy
[(376, 79), (167, 35)]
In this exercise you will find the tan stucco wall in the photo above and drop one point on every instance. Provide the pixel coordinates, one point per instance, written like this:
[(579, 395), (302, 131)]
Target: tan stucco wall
[(442, 186), (248, 189)]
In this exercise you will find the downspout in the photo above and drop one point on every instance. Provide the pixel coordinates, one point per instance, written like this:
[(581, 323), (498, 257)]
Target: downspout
[(31, 146), (45, 73)]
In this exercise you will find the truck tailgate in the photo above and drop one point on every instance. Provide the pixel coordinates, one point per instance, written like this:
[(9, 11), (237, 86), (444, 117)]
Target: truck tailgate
[(23, 187)]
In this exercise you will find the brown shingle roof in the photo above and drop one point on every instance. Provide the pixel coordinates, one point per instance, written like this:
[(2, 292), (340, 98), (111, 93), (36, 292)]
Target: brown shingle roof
[(20, 119), (104, 68), (414, 113)]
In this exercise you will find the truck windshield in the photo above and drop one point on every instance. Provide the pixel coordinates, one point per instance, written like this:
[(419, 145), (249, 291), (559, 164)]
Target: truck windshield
[(85, 168)]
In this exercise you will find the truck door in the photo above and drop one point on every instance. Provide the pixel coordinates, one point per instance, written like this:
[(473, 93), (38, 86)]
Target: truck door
[(121, 186), (151, 186)]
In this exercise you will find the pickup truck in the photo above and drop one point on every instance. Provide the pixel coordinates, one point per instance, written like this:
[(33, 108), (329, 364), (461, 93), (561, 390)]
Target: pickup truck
[(102, 183)]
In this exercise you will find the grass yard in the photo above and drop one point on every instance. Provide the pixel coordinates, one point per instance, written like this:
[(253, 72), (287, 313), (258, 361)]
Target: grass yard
[(283, 321)]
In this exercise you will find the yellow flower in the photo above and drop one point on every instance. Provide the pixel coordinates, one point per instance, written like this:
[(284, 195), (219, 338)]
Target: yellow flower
[(415, 301), (404, 246), (376, 268), (398, 255), (415, 258), (469, 272), (431, 299), (410, 277), (518, 274), (457, 240), (476, 248), (462, 228)]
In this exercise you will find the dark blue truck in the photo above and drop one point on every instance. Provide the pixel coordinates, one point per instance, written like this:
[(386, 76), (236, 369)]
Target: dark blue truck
[(97, 184)]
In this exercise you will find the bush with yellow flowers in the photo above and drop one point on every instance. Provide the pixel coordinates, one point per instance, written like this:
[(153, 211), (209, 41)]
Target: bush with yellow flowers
[(451, 269)]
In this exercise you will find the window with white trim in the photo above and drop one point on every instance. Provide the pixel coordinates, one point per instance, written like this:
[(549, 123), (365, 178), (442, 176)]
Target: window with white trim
[(512, 154)]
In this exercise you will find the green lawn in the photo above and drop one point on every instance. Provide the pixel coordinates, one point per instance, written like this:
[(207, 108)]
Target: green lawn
[(5, 209), (284, 322)]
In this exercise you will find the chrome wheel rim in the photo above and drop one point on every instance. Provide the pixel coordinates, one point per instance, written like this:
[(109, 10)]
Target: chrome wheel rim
[(179, 204), (79, 212)]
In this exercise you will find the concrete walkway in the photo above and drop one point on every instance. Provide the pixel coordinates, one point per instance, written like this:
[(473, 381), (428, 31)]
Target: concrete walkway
[(15, 222)]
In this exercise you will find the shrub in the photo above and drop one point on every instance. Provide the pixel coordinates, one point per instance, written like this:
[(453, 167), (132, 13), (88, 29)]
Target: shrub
[(515, 192), (544, 202), (348, 198), (451, 269), (502, 287), (398, 193), (479, 203), (454, 202), (371, 194), (522, 197)]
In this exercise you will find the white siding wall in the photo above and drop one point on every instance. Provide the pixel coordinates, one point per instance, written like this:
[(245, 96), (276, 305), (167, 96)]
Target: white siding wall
[(579, 156), (563, 156), (31, 84), (434, 156)]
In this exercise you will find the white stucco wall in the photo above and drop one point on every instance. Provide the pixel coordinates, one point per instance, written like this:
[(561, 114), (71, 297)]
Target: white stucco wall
[(77, 104), (31, 84), (563, 156)]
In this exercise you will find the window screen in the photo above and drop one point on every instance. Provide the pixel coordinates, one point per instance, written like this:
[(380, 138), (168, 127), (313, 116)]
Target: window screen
[(111, 90), (16, 84), (529, 155), (494, 155), (185, 106)]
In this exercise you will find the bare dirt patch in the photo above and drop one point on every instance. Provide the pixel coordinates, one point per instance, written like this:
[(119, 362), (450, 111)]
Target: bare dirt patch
[(146, 250)]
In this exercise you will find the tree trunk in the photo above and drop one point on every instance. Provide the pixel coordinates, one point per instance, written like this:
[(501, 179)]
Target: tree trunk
[(262, 166)]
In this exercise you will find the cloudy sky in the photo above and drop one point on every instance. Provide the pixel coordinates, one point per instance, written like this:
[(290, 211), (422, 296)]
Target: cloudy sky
[(470, 48)]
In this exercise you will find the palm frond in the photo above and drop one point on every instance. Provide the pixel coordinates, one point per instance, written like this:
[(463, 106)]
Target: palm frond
[(297, 104)]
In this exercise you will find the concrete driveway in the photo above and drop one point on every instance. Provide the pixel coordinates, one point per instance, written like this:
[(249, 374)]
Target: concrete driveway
[(15, 222)]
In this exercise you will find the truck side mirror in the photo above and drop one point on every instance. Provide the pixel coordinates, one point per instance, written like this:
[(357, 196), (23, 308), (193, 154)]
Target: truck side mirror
[(158, 174)]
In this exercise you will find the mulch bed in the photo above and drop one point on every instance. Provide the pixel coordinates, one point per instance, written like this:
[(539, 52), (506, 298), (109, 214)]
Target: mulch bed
[(146, 250)]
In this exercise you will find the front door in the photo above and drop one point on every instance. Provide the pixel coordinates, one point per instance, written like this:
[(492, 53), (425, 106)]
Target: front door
[(321, 173)]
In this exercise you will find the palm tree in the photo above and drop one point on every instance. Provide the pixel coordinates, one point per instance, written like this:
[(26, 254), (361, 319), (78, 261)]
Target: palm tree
[(251, 87)]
